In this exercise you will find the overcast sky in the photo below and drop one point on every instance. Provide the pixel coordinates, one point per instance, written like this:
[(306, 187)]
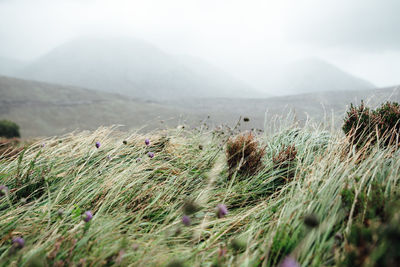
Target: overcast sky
[(246, 37)]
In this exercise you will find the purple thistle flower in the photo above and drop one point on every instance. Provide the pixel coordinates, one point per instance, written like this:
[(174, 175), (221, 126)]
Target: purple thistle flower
[(97, 144), (18, 242), (3, 190), (87, 216), (150, 154), (147, 141), (186, 220), (289, 261), (222, 210)]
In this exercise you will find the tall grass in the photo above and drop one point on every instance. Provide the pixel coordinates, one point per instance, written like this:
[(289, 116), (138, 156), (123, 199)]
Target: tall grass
[(137, 205)]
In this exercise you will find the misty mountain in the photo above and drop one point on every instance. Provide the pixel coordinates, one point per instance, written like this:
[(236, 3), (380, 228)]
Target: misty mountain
[(43, 109), (131, 67), (315, 75), (9, 66)]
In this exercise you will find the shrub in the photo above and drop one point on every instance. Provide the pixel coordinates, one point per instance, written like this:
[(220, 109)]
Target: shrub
[(9, 129), (388, 122), (359, 124), (363, 125), (244, 154)]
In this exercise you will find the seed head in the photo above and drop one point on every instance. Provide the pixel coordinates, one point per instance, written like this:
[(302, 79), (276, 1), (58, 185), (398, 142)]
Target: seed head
[(87, 216), (3, 190), (190, 207), (311, 220), (222, 210), (60, 212)]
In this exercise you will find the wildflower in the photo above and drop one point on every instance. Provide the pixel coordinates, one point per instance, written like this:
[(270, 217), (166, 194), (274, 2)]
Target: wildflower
[(289, 262), (222, 210), (87, 216), (18, 242), (97, 144), (147, 142), (109, 157), (3, 190), (311, 220), (150, 154), (138, 159), (186, 220)]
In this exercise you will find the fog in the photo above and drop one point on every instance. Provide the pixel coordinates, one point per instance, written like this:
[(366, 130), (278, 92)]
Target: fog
[(248, 39)]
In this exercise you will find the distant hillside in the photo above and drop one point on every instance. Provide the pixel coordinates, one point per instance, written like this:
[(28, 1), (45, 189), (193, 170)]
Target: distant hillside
[(43, 109), (49, 109), (10, 66), (318, 106), (131, 67), (313, 75)]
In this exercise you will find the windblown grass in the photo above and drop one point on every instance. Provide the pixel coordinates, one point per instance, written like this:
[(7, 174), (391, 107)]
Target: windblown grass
[(137, 205)]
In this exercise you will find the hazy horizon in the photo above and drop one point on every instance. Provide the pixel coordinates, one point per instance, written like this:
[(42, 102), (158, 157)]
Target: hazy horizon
[(250, 40)]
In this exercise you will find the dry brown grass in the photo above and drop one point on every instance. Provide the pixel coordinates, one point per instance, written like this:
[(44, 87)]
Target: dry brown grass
[(244, 154)]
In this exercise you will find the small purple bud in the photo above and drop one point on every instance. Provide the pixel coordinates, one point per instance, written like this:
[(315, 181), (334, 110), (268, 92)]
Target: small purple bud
[(138, 159), (147, 141), (289, 262), (150, 154), (3, 190), (87, 216), (222, 210), (18, 242), (97, 144), (186, 220), (109, 157), (43, 145)]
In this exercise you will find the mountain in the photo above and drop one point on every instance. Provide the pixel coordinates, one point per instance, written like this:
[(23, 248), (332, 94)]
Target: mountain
[(43, 109), (130, 67), (314, 75)]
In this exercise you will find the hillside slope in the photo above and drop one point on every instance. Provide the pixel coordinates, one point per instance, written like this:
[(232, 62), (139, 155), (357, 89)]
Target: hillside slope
[(43, 109), (319, 106)]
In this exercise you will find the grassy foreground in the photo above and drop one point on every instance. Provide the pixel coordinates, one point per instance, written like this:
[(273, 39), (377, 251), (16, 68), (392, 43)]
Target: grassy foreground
[(137, 204)]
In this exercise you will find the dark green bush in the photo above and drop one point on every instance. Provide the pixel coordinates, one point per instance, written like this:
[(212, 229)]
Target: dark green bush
[(388, 122), (359, 124), (363, 125), (9, 129)]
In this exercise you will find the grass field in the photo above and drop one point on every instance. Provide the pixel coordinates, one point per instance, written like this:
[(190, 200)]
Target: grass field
[(137, 201)]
